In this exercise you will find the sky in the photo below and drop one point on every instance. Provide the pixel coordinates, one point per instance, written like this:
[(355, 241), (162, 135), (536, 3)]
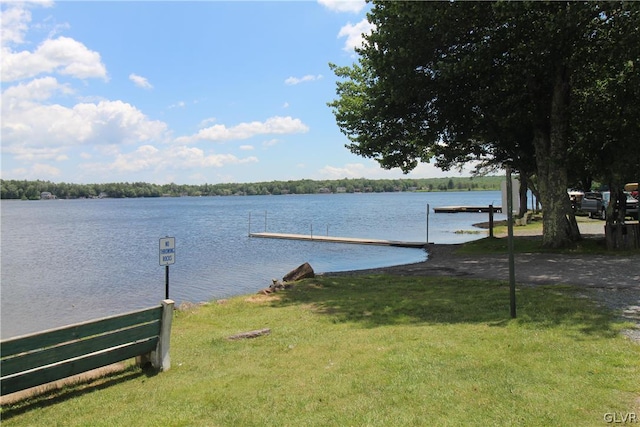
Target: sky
[(185, 92)]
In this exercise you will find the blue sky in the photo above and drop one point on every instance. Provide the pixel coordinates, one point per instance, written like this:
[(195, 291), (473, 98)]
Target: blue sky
[(186, 92)]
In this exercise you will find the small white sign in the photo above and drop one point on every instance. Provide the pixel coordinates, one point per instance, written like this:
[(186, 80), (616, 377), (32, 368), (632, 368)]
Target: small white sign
[(167, 250), (515, 195)]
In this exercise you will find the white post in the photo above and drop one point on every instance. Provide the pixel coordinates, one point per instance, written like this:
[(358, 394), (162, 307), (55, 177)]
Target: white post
[(160, 358)]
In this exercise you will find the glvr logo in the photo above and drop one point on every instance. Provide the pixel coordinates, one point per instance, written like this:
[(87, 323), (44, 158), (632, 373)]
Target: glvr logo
[(620, 417)]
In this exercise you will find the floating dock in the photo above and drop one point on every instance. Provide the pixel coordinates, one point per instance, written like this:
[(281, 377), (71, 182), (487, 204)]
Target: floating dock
[(352, 240), (458, 209)]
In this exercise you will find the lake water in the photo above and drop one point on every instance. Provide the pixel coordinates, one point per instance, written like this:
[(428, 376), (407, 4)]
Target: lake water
[(66, 261)]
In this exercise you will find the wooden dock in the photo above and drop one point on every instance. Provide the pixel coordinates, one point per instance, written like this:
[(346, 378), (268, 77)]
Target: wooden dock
[(331, 239), (458, 209)]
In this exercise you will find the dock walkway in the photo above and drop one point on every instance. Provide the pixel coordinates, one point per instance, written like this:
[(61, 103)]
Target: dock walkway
[(331, 239), (457, 209)]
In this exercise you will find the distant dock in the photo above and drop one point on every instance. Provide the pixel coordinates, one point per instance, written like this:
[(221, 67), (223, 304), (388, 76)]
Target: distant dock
[(352, 240), (459, 209)]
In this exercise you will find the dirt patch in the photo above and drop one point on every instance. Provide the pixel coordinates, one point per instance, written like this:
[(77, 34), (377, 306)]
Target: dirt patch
[(262, 298)]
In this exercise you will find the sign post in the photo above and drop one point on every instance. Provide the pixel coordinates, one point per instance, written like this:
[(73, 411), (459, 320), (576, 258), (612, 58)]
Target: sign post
[(512, 273), (427, 242), (167, 257)]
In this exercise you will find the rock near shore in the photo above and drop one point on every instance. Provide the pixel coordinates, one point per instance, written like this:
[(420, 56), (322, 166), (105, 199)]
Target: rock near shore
[(304, 271)]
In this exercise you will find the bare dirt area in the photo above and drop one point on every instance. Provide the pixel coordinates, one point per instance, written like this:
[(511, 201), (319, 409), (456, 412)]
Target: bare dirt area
[(612, 280)]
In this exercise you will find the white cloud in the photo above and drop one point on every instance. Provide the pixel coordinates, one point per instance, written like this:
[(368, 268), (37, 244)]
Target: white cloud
[(45, 170), (35, 90), (150, 158), (140, 81), (30, 154), (191, 157), (206, 122), (354, 32), (271, 142), (372, 170), (108, 150), (179, 104), (274, 125), (34, 130), (247, 147), (62, 55), (14, 22), (297, 80), (350, 170), (36, 126), (353, 6), (143, 158), (42, 171)]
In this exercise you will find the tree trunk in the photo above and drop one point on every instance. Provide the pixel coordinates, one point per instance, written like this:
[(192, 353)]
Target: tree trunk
[(559, 226), (524, 187), (556, 207), (535, 191), (615, 234), (622, 236)]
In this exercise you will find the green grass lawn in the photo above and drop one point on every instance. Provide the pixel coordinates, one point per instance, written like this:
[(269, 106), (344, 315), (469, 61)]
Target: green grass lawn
[(372, 351), (530, 244)]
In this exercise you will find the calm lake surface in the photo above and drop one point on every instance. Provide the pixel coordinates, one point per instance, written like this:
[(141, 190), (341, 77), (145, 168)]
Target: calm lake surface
[(66, 261)]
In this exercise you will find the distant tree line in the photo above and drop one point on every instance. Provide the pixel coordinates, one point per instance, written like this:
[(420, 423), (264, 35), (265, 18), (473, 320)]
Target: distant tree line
[(32, 190)]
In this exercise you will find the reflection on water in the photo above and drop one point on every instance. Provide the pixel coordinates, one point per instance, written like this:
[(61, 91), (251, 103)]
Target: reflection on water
[(65, 261)]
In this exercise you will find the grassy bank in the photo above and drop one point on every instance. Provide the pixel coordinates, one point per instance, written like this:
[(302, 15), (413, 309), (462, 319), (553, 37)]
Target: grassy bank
[(376, 351)]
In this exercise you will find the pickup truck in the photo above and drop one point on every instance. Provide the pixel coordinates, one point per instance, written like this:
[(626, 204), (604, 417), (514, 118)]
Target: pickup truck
[(595, 204)]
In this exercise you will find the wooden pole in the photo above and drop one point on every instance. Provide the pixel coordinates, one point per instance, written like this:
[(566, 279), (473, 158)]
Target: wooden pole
[(512, 275), (490, 220)]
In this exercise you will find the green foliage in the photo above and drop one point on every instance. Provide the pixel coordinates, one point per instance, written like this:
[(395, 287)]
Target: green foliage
[(610, 90), (375, 351), (12, 189), (494, 82)]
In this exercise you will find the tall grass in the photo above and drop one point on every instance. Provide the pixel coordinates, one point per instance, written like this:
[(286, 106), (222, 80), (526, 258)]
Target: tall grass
[(373, 351)]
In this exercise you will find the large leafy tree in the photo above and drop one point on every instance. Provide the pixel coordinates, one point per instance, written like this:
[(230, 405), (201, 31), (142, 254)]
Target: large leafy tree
[(606, 113), (483, 81)]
